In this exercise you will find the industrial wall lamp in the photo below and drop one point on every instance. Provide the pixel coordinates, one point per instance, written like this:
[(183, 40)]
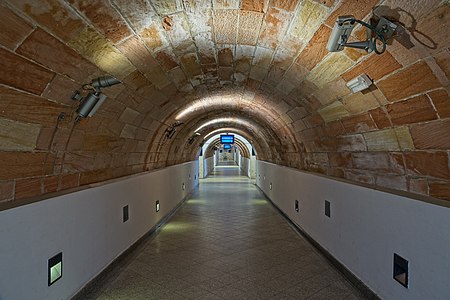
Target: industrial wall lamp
[(170, 131), (378, 33), (94, 99)]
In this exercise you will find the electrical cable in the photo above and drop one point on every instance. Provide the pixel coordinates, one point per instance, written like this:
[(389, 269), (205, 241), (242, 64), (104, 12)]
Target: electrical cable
[(378, 36)]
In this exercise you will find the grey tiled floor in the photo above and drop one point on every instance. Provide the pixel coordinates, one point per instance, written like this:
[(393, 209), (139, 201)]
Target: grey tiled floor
[(225, 242)]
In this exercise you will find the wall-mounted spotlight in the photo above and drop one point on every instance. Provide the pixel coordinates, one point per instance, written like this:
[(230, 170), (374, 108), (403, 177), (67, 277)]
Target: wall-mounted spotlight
[(193, 137), (344, 25), (170, 131), (94, 99)]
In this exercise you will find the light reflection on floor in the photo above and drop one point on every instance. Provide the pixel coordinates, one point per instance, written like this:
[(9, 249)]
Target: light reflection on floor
[(225, 242)]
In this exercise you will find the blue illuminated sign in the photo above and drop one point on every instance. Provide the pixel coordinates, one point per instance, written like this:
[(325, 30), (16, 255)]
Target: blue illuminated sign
[(227, 139)]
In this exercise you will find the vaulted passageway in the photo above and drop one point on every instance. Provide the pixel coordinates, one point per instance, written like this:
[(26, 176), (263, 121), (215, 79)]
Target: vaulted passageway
[(225, 242), (353, 146)]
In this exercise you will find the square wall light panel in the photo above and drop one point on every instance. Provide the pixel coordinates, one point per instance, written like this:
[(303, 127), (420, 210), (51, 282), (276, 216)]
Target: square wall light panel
[(54, 268)]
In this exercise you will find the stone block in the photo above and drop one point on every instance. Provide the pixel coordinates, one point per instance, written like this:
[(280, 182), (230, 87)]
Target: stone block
[(348, 7), (404, 138), (55, 15), (387, 163), (61, 90), (382, 140), (417, 109), (361, 102), (433, 164), (334, 111), (28, 108), (392, 182), (351, 143), (441, 101), (43, 48), (102, 53), (137, 81), (225, 57), (226, 4), (359, 123), (316, 50), (225, 26), (165, 7), (263, 57), (129, 115), (443, 60), (432, 135), (288, 5), (13, 29), (109, 21), (28, 188), (191, 65), (329, 69), (68, 181), (254, 5), (358, 176), (137, 53), (333, 91), (249, 24), (274, 27), (310, 17), (418, 186), (375, 66), (413, 80), (340, 160), (128, 131), (13, 69), (334, 129), (258, 73), (16, 136), (380, 117), (6, 190), (432, 26), (50, 184), (440, 189)]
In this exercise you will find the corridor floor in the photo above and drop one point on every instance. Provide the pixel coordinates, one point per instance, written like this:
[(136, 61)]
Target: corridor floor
[(226, 242)]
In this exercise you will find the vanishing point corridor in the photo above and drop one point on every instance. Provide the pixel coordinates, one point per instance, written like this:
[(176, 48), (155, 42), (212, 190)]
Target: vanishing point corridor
[(225, 242)]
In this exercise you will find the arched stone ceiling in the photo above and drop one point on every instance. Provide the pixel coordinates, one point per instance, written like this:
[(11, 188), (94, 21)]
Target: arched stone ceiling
[(216, 144), (260, 60)]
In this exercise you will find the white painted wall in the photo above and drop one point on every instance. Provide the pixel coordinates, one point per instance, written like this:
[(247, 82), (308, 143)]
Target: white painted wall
[(87, 227), (244, 164), (208, 165), (365, 229)]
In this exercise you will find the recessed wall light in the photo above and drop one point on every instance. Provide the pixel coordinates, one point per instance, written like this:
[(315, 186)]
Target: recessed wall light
[(125, 213), (157, 206), (327, 209), (297, 208), (54, 268), (401, 270)]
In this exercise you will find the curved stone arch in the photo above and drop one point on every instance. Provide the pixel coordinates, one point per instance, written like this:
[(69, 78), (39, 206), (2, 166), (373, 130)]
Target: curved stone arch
[(264, 135), (216, 144)]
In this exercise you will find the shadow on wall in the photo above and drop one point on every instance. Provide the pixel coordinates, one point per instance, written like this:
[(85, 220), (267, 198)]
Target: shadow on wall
[(407, 29)]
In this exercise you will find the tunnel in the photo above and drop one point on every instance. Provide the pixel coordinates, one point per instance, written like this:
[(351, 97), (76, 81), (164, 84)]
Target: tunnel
[(118, 182)]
